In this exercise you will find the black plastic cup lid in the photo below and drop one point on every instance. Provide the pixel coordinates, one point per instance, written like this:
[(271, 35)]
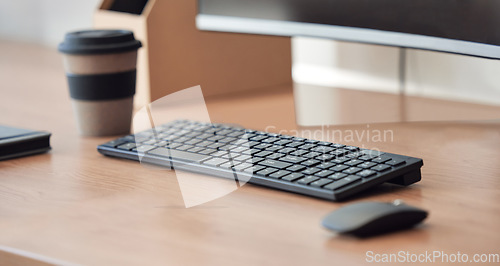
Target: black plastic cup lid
[(99, 42)]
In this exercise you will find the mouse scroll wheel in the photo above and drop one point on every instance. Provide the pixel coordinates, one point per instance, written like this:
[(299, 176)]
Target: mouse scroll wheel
[(397, 202)]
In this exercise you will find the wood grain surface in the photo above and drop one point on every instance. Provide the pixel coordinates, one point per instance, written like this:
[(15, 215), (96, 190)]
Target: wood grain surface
[(73, 205)]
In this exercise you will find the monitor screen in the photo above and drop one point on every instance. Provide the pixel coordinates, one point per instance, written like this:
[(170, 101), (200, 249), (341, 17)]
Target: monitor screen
[(456, 26)]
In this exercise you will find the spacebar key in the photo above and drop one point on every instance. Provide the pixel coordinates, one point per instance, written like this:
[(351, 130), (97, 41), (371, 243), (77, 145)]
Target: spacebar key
[(179, 155)]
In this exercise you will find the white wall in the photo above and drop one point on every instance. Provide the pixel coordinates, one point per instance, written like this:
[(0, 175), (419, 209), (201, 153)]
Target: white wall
[(449, 76), (371, 67), (44, 21)]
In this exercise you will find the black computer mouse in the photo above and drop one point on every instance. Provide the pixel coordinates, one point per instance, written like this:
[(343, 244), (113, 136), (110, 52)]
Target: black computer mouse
[(373, 218)]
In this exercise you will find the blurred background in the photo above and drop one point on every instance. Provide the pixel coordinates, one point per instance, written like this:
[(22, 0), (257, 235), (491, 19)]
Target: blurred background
[(317, 62), (44, 21)]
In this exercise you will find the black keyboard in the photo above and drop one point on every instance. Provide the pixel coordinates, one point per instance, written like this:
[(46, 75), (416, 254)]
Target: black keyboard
[(315, 168)]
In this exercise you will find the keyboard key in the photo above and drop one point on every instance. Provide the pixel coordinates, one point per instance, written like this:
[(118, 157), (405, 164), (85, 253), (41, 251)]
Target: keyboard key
[(296, 168), (307, 146), (337, 176), (286, 150), (216, 161), (270, 140), (254, 169), (324, 173), (353, 162), (381, 167), (179, 155), (162, 143), (294, 144), (325, 157), (340, 160), (263, 146), (128, 146), (228, 140), (225, 148), (353, 155), (298, 152), (215, 145), (193, 141), (267, 171), (292, 177), (338, 146), (242, 166), (237, 134), (193, 134), (204, 143), (283, 142), (195, 149), (251, 144), (241, 158), (151, 142), (366, 173), (339, 152), (204, 136), (339, 168), (395, 162), (180, 139), (311, 171), (323, 149), (224, 132), (279, 174), (307, 180), (263, 153), (144, 148), (275, 164), (222, 154), (366, 165), (274, 148), (174, 145), (343, 182), (275, 156), (310, 162), (321, 182), (381, 159), (352, 170), (351, 148), (325, 165), (366, 157), (253, 151), (238, 149), (292, 159), (372, 152), (129, 138), (255, 160), (228, 165), (184, 147), (258, 138), (207, 151), (311, 155)]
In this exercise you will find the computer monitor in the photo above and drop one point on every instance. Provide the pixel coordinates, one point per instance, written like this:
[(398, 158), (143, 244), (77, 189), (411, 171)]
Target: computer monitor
[(466, 27)]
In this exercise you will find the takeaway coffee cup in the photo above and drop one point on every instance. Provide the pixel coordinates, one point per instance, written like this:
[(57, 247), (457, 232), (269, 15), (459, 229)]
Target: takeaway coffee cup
[(101, 71)]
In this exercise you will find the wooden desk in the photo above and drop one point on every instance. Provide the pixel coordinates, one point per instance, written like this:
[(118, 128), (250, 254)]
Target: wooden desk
[(73, 205)]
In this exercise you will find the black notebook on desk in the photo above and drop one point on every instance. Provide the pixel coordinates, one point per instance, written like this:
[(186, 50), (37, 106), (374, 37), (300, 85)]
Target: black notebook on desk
[(17, 142)]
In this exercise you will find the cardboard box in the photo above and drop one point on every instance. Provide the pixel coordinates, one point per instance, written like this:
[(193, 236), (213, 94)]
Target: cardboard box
[(176, 55)]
